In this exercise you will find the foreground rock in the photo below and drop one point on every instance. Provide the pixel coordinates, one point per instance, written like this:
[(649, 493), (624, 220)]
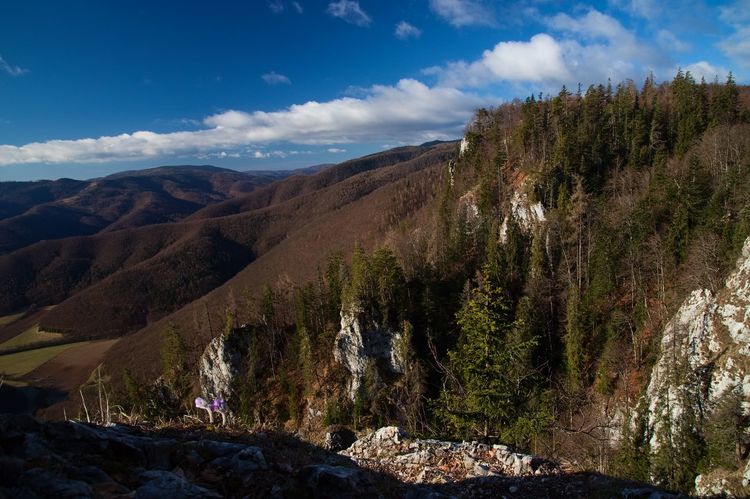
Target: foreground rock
[(434, 461), (72, 460)]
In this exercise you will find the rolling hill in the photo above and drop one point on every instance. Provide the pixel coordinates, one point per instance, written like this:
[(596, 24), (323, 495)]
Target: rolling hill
[(44, 210)]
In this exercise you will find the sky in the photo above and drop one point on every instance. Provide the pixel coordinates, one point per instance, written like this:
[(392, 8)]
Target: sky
[(88, 88)]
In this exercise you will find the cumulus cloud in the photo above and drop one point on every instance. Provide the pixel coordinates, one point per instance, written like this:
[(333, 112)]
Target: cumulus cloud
[(539, 59), (706, 70), (405, 31), (407, 111), (274, 78), (460, 13), (587, 49), (737, 45), (349, 11), (8, 68)]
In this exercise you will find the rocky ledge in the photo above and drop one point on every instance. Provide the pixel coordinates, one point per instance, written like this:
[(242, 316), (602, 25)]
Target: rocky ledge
[(71, 460)]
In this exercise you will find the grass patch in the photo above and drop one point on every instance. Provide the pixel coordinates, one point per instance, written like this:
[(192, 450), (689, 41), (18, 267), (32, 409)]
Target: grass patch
[(30, 336), (18, 364), (10, 319)]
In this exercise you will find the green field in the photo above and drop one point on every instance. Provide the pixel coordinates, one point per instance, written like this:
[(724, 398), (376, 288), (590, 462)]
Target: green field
[(29, 337), (18, 364), (9, 319)]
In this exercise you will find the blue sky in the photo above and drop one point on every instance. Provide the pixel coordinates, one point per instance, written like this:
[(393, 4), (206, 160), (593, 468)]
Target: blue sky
[(90, 87)]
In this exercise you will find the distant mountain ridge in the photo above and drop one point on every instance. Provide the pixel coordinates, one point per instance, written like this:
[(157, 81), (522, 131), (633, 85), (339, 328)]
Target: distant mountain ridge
[(45, 209)]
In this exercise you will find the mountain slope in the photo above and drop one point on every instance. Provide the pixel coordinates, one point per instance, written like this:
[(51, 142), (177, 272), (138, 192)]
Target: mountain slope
[(155, 270), (54, 210)]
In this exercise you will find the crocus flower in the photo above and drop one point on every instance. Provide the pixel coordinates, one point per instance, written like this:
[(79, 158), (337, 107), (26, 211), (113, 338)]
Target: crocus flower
[(219, 405), (201, 403)]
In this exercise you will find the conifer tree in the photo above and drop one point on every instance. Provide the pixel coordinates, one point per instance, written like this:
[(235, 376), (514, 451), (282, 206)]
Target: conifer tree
[(489, 385)]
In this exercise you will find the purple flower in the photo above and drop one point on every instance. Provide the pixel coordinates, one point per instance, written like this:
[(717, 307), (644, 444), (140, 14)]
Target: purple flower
[(201, 403), (218, 405)]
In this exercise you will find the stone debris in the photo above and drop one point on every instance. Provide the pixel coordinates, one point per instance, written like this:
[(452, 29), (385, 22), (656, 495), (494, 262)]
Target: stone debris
[(434, 461)]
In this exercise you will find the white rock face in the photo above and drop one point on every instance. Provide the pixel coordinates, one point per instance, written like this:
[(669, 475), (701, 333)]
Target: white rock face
[(220, 364), (463, 147), (437, 461), (359, 342), (705, 351), (526, 214)]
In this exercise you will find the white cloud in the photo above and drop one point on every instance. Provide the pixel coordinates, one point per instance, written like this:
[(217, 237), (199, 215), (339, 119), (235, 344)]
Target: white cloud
[(274, 78), (461, 13), (706, 70), (276, 6), (349, 11), (405, 31), (408, 111), (6, 67), (587, 49), (539, 59), (737, 45), (297, 7), (336, 150)]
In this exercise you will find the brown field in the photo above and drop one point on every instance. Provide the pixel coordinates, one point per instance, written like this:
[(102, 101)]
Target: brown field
[(21, 324), (71, 368)]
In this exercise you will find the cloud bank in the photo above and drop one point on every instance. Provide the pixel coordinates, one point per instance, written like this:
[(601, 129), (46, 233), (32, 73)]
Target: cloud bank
[(407, 111)]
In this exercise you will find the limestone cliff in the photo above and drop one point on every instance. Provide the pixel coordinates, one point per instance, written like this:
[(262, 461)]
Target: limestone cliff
[(704, 358), (362, 342)]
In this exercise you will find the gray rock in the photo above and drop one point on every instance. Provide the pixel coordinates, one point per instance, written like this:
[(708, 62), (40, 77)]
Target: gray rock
[(360, 341), (248, 459), (164, 484), (49, 484), (324, 481), (214, 448), (338, 438), (221, 362)]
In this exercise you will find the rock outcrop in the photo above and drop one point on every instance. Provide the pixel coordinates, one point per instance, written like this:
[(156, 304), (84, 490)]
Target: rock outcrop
[(221, 362), (705, 357), (361, 342), (435, 461), (525, 213)]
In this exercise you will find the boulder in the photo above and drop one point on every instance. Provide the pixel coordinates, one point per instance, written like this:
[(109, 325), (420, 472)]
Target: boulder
[(332, 482), (160, 484), (338, 438)]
